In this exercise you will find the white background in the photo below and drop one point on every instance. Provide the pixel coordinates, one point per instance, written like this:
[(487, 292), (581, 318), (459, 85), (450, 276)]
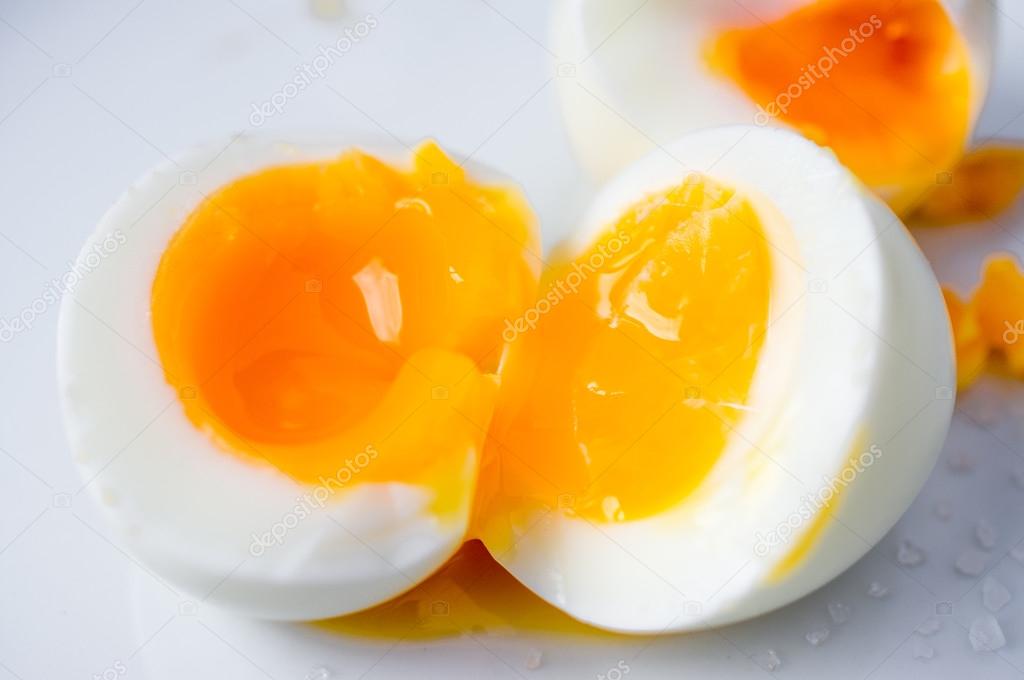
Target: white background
[(94, 93)]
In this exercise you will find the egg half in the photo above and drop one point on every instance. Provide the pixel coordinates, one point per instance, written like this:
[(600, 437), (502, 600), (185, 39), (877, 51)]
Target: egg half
[(279, 384), (893, 88), (738, 377)]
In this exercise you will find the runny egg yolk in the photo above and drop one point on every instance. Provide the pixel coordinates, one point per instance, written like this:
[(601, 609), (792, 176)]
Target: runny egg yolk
[(626, 378), (340, 319), (885, 84)]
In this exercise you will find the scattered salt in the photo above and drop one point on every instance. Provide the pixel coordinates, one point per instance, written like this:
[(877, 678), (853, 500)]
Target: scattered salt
[(943, 510), (985, 534), (929, 627), (768, 660), (839, 612), (994, 595), (1018, 553), (986, 635), (319, 673), (971, 562), (817, 636), (909, 555), (534, 659)]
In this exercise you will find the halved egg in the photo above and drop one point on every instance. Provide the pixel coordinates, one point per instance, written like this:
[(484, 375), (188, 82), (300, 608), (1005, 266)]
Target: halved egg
[(279, 385), (737, 376), (893, 88), (301, 383)]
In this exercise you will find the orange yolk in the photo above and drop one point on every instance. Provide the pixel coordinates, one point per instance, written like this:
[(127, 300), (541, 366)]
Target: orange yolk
[(985, 183), (340, 319), (625, 378), (970, 346), (991, 324), (885, 84)]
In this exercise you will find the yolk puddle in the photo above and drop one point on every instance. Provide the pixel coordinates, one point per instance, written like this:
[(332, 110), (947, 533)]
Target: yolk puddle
[(624, 380), (471, 593), (342, 316), (885, 84), (990, 325), (986, 183)]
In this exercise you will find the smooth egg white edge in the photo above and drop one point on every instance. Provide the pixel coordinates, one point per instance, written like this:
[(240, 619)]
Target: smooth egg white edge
[(189, 510), (640, 80), (864, 339)]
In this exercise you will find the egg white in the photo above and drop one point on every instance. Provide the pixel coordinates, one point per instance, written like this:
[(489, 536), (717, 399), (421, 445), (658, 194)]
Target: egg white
[(197, 515), (858, 354), (639, 77)]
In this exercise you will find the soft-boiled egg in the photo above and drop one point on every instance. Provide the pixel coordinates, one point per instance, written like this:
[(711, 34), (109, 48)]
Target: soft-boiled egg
[(894, 88), (279, 385), (733, 384), (305, 379)]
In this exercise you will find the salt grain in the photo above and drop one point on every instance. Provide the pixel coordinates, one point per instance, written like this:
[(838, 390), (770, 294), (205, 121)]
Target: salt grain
[(877, 590), (929, 627), (994, 595), (971, 563), (985, 534), (839, 612), (909, 555), (986, 635), (768, 660), (817, 636)]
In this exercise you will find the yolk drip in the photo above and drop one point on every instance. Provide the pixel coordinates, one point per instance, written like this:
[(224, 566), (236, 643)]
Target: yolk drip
[(469, 594), (340, 318), (990, 324), (624, 380), (885, 84), (985, 183)]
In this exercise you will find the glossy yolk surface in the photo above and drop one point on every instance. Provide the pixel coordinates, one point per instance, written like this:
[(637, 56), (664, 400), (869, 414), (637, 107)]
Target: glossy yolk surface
[(885, 84), (624, 380), (991, 323), (344, 315)]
